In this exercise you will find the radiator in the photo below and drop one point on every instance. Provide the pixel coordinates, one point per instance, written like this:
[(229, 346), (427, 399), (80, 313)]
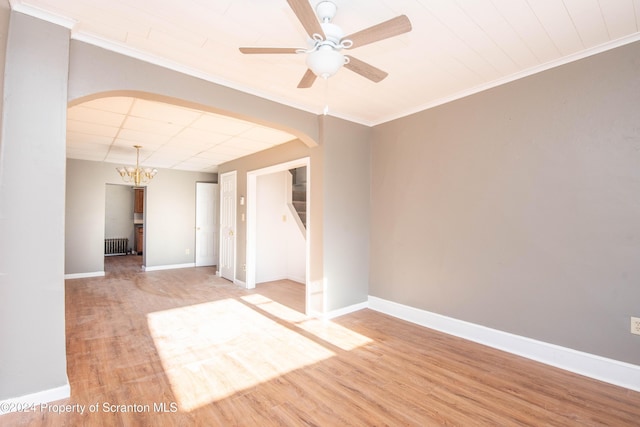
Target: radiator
[(116, 246)]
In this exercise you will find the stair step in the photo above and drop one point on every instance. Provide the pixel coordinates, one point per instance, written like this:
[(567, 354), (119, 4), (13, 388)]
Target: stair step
[(299, 196)]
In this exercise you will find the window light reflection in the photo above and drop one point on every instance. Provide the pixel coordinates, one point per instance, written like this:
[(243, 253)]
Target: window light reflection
[(213, 350)]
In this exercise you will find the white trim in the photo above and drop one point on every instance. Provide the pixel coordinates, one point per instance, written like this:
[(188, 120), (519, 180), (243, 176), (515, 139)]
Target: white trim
[(590, 365), (345, 310), (169, 267), (221, 180), (239, 283), (36, 399), (45, 15), (84, 275), (297, 279)]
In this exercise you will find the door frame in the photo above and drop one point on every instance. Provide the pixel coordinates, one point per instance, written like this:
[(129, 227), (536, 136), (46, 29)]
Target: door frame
[(233, 216), (252, 215), (213, 188)]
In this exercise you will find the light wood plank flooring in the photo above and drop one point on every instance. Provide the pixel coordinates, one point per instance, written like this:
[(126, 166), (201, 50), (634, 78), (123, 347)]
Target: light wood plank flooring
[(184, 347)]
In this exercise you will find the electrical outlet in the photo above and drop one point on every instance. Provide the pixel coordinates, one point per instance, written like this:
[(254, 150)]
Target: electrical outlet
[(187, 251), (635, 325)]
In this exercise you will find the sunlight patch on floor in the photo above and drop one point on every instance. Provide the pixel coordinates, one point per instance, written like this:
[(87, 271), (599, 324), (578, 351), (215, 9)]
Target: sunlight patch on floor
[(326, 330), (213, 350)]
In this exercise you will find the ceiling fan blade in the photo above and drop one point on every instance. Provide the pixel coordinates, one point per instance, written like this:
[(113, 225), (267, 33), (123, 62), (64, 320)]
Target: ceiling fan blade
[(365, 70), (307, 17), (392, 27), (269, 50), (307, 80)]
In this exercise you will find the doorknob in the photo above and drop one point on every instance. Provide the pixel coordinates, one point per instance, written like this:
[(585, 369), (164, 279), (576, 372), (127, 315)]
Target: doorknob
[(230, 232)]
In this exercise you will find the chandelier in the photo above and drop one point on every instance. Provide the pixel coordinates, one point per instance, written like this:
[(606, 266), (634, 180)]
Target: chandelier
[(138, 176)]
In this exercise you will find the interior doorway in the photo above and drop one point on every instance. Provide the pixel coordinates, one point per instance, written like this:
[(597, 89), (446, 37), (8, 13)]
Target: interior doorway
[(124, 222), (252, 221), (206, 219)]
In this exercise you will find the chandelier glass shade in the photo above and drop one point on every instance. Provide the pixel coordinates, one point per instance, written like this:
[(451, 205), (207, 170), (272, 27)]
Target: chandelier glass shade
[(137, 175)]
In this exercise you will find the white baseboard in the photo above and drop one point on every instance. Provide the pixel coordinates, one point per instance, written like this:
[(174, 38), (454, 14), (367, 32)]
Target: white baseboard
[(84, 275), (35, 399), (240, 283), (169, 267), (590, 365), (278, 278), (346, 310), (300, 280)]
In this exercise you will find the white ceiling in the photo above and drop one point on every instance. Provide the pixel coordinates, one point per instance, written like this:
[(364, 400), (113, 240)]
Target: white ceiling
[(456, 48)]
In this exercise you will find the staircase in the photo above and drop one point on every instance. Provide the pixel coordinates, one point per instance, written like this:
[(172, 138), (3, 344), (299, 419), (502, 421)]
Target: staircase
[(299, 193)]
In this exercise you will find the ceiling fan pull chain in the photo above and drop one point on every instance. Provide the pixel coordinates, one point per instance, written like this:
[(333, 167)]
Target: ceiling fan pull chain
[(326, 96)]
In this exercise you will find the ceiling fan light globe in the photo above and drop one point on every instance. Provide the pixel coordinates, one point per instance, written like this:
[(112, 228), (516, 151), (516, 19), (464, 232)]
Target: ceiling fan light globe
[(325, 62)]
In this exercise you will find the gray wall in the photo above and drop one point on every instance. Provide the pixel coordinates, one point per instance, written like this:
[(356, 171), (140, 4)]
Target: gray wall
[(32, 329), (118, 213), (169, 217), (519, 208), (346, 212)]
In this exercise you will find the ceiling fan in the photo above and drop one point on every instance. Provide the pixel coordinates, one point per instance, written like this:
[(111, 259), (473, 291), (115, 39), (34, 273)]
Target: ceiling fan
[(327, 40)]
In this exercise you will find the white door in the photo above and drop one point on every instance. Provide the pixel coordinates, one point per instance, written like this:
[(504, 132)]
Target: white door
[(206, 212), (227, 265)]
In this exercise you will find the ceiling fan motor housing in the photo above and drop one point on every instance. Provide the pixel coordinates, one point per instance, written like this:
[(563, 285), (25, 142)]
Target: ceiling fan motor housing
[(326, 10), (332, 32)]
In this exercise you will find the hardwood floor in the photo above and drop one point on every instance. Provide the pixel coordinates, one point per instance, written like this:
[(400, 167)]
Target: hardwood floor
[(184, 347)]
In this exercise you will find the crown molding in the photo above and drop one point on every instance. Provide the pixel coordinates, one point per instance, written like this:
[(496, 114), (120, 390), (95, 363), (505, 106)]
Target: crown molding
[(36, 12), (516, 76)]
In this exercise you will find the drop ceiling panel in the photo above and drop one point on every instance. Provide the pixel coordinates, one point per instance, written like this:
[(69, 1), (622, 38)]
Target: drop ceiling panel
[(191, 135), (91, 128), (113, 104), (91, 115), (164, 131), (159, 111), (160, 127), (132, 137), (221, 124), (79, 138)]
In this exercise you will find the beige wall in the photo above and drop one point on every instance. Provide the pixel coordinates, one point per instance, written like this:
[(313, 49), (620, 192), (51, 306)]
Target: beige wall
[(519, 208)]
